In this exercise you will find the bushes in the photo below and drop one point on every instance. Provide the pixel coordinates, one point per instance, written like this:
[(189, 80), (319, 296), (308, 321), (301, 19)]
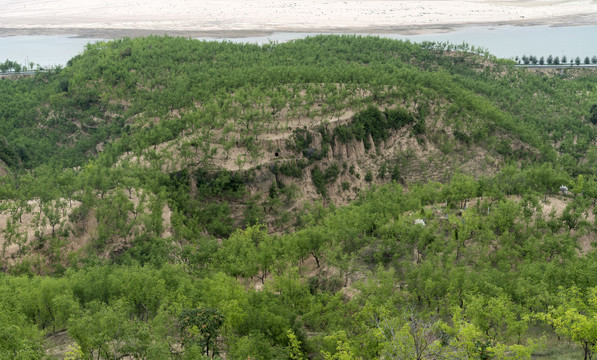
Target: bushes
[(331, 173), (372, 122), (301, 139), (8, 155), (593, 114), (397, 118), (291, 168), (220, 183), (314, 154), (318, 178), (419, 127), (343, 133), (322, 178), (462, 136)]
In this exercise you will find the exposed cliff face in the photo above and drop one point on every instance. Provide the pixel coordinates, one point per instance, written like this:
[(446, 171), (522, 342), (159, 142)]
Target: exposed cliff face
[(31, 229), (300, 160), (403, 157), (336, 171)]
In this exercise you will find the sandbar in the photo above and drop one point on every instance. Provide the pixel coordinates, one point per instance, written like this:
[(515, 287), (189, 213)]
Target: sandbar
[(240, 18)]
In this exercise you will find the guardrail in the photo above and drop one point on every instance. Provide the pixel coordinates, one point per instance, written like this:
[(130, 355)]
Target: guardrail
[(567, 66), (28, 72)]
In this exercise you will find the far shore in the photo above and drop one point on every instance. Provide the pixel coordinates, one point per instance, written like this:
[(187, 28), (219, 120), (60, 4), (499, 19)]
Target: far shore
[(115, 33), (250, 18)]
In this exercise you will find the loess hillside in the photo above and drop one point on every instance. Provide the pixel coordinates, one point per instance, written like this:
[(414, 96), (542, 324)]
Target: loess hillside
[(336, 197)]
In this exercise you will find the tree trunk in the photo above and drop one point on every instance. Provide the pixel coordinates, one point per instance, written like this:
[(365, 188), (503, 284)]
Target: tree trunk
[(316, 259)]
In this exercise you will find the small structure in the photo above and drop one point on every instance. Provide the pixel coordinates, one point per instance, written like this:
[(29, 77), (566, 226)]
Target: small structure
[(420, 222), (564, 189)]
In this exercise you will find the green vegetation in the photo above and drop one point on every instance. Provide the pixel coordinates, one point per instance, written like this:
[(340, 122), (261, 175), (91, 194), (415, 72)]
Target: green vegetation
[(156, 204), (533, 60)]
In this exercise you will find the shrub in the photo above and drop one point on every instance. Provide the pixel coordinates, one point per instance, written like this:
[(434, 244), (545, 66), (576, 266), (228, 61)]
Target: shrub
[(343, 133), (593, 114), (291, 168), (220, 183), (331, 173), (372, 122), (419, 127), (382, 171), (301, 139), (462, 137), (322, 178), (314, 154), (396, 174), (397, 118), (318, 178)]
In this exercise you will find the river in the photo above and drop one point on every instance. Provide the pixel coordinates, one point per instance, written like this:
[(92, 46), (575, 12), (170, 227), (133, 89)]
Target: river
[(502, 41)]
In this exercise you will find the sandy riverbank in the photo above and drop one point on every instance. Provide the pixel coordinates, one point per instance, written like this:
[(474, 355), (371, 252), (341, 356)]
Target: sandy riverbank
[(114, 18)]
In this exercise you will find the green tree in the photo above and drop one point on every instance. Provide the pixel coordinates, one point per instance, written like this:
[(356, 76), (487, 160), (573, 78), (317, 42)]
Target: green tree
[(201, 327), (295, 347), (462, 187), (576, 318), (239, 252), (343, 352), (467, 341), (310, 242), (546, 179), (19, 340), (411, 338), (550, 59), (107, 330)]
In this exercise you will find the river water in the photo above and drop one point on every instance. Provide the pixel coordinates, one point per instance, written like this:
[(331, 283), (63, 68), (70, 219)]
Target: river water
[(502, 41), (45, 50)]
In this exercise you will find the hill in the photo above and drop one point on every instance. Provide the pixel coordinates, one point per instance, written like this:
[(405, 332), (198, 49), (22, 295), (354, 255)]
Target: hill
[(327, 197)]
